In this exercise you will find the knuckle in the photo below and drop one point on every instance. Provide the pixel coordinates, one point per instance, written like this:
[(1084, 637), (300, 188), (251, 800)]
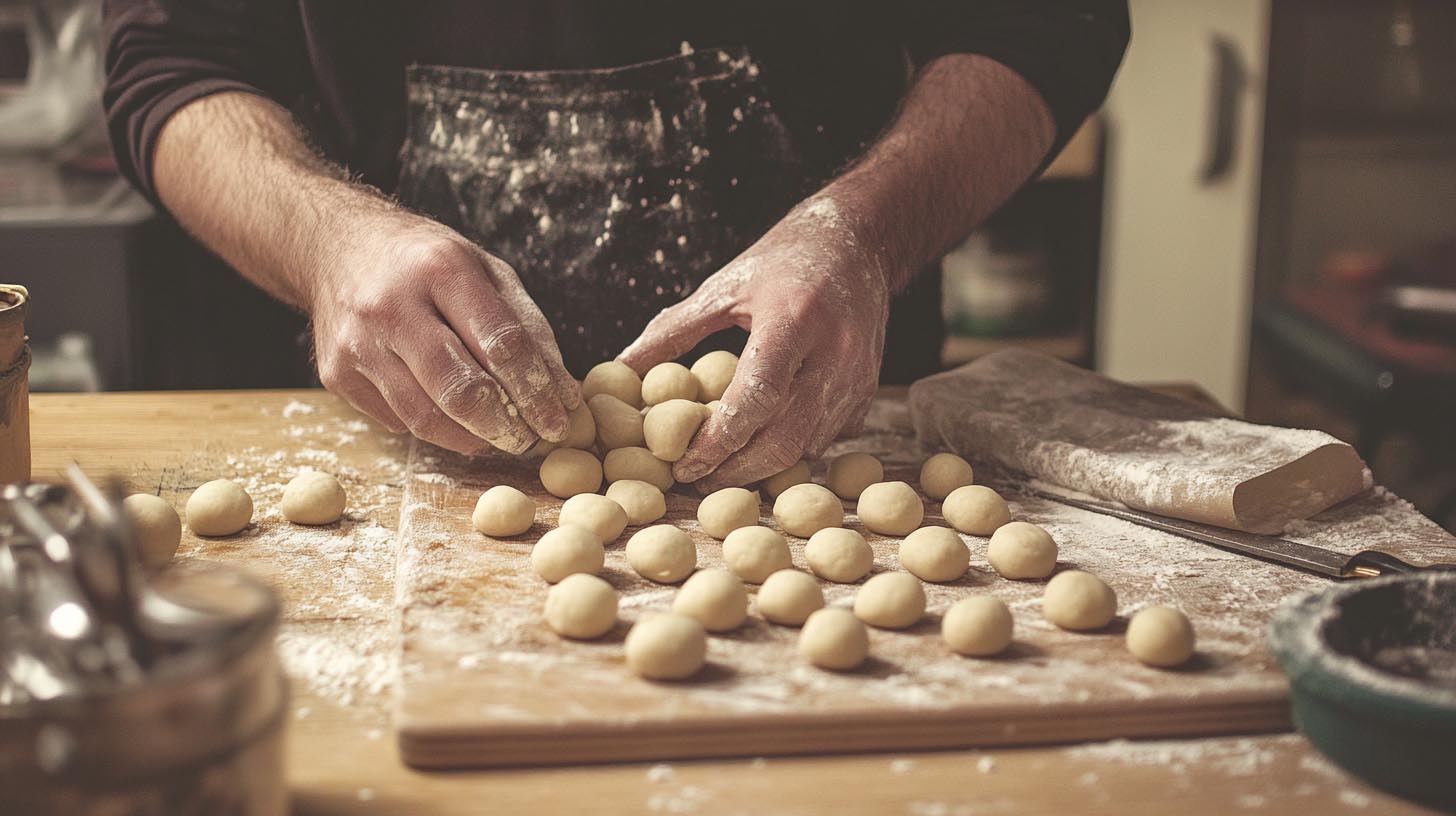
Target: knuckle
[(463, 395), (506, 345)]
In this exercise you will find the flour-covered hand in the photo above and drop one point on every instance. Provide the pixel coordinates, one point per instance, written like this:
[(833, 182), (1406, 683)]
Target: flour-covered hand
[(815, 299)]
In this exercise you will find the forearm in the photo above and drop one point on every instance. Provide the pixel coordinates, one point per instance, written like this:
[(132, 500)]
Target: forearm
[(970, 132), (237, 173)]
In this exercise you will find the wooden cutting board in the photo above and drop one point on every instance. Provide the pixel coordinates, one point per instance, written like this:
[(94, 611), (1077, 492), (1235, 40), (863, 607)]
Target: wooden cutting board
[(484, 683)]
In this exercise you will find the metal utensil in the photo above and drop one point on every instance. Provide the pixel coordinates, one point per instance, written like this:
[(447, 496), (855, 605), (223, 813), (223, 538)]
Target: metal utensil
[(1363, 564)]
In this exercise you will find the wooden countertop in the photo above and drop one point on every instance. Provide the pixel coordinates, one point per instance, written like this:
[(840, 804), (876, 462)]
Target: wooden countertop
[(342, 759)]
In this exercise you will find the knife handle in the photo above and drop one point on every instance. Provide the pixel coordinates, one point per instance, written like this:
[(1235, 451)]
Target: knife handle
[(1373, 564)]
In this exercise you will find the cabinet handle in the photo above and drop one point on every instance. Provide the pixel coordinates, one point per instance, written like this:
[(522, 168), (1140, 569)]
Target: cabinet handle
[(1229, 80)]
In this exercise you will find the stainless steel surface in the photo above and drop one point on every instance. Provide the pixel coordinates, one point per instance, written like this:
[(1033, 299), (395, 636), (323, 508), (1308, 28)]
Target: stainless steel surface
[(1365, 564)]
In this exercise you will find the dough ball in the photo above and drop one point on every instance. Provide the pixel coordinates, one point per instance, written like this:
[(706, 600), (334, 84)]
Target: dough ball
[(785, 479), (890, 508), (834, 639), (566, 472), (157, 526), (839, 554), (978, 626), (1160, 636), (789, 597), (804, 509), (1021, 550), (503, 511), (581, 430), (714, 371), (313, 498), (669, 427), (639, 464), (666, 646), (1078, 600), (975, 509), (713, 597), (619, 425), (943, 473), (668, 381), (726, 510), (935, 554), (643, 502), (890, 600), (614, 378), (581, 606), (662, 553), (219, 508), (851, 473), (755, 553), (565, 551), (597, 513)]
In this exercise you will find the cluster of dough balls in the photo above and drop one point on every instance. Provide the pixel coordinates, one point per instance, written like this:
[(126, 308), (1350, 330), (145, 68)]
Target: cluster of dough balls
[(221, 508)]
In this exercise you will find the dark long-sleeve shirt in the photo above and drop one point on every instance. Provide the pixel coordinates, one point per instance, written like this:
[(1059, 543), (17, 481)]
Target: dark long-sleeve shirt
[(835, 70)]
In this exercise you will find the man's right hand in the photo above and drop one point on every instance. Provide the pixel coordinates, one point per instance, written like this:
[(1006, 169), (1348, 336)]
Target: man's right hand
[(422, 330)]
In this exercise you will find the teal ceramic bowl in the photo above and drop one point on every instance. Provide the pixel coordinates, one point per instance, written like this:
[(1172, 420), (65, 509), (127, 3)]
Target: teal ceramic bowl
[(1372, 674)]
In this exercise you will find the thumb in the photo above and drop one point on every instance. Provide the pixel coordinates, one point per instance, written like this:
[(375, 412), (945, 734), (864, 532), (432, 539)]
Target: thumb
[(674, 332)]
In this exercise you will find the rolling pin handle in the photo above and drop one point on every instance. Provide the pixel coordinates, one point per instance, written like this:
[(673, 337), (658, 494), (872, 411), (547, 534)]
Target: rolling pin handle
[(1373, 564)]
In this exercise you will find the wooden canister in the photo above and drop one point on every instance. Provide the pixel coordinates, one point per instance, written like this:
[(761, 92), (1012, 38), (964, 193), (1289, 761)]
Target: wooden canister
[(14, 386)]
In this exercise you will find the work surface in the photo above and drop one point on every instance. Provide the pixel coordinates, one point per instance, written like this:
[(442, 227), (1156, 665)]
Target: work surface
[(337, 645)]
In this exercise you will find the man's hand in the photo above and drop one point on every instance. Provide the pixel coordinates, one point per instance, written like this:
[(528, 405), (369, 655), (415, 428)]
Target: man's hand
[(420, 329), (815, 302)]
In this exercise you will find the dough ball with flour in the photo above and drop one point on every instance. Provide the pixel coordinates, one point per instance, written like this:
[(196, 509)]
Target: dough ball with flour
[(785, 479), (805, 509), (726, 510), (597, 513), (978, 626), (503, 511), (943, 473), (313, 498), (890, 508), (617, 379), (713, 597), (669, 427), (935, 554), (639, 464), (662, 553), (619, 425), (643, 502), (834, 638), (567, 550), (851, 473), (1078, 600), (666, 646), (714, 371), (566, 472), (1160, 636), (755, 553), (219, 508), (157, 526), (1021, 550), (789, 597), (975, 509), (890, 600), (581, 606), (669, 381), (839, 554)]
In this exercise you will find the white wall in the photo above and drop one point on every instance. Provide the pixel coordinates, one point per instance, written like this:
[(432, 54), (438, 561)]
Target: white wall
[(1178, 254)]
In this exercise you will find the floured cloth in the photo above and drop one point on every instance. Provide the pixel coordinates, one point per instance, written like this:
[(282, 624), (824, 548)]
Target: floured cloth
[(1079, 430)]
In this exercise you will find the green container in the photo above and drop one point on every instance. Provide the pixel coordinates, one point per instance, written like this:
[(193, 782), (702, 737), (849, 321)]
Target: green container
[(1372, 674)]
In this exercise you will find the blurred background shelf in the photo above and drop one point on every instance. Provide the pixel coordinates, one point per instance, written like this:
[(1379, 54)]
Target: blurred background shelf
[(1071, 346)]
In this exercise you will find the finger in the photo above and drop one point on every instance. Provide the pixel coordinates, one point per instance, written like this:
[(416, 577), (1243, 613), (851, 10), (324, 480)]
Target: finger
[(361, 393), (809, 415), (464, 391), (518, 300), (397, 384), (675, 331), (765, 374), (497, 341)]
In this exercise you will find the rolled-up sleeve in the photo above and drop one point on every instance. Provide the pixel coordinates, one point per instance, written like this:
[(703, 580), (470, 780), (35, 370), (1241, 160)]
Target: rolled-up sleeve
[(1068, 50), (163, 54)]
